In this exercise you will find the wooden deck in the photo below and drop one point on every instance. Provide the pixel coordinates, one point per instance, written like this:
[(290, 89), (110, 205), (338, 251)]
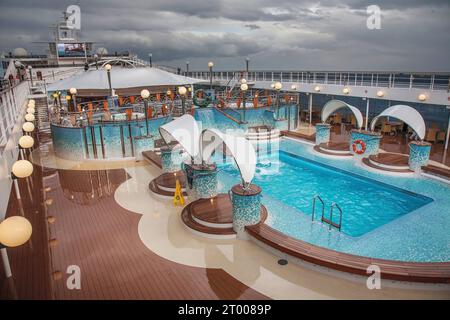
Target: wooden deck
[(102, 239), (391, 159), (212, 217), (294, 134), (437, 171), (394, 270), (153, 157)]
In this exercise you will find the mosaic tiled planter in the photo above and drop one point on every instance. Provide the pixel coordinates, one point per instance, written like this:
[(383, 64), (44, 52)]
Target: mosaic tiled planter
[(246, 208), (370, 139), (322, 133), (419, 154), (201, 180), (171, 159)]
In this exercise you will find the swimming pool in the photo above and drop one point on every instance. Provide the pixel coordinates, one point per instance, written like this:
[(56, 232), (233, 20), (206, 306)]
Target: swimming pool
[(396, 218)]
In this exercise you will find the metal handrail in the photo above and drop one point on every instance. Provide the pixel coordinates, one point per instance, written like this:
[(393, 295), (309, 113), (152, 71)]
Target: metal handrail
[(333, 205), (314, 206)]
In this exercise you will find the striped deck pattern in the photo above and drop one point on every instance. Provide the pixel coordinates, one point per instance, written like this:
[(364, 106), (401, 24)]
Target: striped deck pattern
[(93, 232)]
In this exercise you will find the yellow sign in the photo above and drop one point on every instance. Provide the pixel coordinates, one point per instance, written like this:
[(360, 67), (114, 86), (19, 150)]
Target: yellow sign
[(178, 199)]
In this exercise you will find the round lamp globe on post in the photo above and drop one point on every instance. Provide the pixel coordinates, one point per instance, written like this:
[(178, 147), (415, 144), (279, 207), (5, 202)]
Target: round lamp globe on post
[(68, 98), (243, 80), (244, 87), (422, 97), (31, 110), (272, 85), (31, 105), (26, 142), (29, 117), (108, 67), (32, 101), (380, 93), (317, 89), (145, 94), (22, 168), (168, 92), (28, 127), (210, 64), (15, 231), (182, 90), (346, 90), (293, 87), (73, 91), (278, 86)]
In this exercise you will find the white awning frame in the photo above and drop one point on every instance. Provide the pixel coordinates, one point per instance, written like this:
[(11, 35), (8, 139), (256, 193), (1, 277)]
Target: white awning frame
[(334, 105), (404, 113)]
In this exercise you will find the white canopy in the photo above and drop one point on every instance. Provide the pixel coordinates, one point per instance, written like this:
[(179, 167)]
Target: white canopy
[(333, 105), (406, 114), (241, 149), (121, 78), (184, 130)]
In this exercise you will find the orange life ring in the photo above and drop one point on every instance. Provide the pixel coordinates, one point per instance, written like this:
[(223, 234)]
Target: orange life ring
[(357, 143)]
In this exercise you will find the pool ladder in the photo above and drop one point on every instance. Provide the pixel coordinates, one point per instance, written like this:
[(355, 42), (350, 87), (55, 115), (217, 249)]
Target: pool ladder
[(329, 221)]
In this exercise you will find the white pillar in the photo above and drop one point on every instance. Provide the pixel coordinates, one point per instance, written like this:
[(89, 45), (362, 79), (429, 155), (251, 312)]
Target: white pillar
[(367, 114), (6, 265), (310, 108), (448, 132)]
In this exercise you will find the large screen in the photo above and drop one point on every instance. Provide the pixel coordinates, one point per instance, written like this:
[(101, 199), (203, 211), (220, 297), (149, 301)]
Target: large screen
[(70, 49)]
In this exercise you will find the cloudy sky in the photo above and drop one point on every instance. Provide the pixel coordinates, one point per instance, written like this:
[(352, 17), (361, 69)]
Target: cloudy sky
[(283, 34)]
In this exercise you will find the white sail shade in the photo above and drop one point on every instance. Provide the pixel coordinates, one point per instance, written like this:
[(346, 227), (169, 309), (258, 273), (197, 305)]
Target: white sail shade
[(333, 105), (406, 114)]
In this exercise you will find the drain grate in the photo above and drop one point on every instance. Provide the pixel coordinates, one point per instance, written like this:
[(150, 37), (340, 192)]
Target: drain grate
[(282, 262)]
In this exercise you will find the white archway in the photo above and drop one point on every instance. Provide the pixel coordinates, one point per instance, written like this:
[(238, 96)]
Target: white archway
[(406, 114), (333, 105)]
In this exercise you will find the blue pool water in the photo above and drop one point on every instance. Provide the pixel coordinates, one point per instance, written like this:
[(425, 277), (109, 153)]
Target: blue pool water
[(388, 217), (366, 204)]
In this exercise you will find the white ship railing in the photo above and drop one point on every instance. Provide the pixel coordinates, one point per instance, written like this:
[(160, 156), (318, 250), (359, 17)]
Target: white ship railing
[(431, 81)]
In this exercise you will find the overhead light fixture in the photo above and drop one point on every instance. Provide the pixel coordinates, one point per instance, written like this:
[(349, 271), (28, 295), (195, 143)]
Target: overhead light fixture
[(182, 90), (278, 85), (317, 89), (26, 142), (422, 97), (346, 90)]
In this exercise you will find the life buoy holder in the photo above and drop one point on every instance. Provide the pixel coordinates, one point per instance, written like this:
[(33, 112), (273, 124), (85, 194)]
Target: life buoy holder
[(362, 146)]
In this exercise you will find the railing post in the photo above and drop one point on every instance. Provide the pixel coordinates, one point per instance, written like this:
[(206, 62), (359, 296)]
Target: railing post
[(94, 143), (102, 142), (122, 142)]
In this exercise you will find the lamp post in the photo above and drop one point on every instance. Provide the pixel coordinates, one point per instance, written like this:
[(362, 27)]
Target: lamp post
[(210, 66), (244, 88), (73, 92), (108, 68), (182, 91), (20, 169), (187, 67), (277, 86), (145, 94), (25, 142), (96, 61), (14, 231), (247, 60), (150, 59), (30, 69)]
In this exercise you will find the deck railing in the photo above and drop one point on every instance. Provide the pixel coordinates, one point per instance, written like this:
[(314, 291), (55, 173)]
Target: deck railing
[(431, 81)]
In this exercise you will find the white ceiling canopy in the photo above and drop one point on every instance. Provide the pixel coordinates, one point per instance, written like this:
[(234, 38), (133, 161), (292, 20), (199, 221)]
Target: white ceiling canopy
[(406, 114), (333, 105), (121, 78)]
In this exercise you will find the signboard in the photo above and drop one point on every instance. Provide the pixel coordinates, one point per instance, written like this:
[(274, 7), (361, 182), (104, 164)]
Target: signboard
[(70, 49)]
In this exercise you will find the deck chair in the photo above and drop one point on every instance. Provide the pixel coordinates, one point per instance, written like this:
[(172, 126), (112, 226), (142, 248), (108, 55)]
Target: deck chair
[(431, 135), (386, 129)]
